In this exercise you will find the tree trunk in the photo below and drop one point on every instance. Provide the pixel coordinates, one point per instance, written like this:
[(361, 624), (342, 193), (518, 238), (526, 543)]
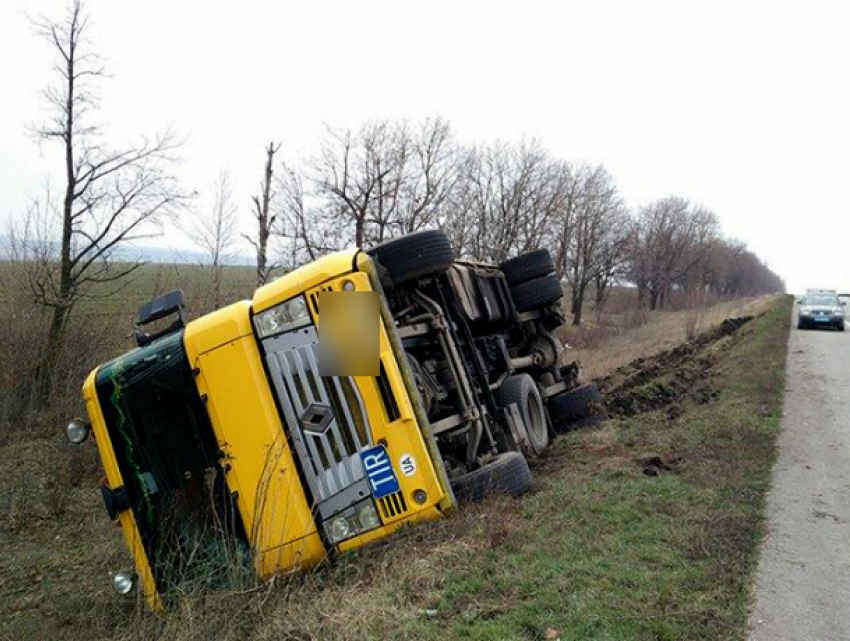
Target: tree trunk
[(217, 269), (61, 307), (654, 295), (264, 217), (599, 297), (46, 369), (359, 226), (577, 305)]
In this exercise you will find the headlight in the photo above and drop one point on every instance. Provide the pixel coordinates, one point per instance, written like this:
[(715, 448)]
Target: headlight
[(805, 311), (340, 529), (124, 582), (838, 311), (357, 519), (77, 431), (289, 315), (368, 517)]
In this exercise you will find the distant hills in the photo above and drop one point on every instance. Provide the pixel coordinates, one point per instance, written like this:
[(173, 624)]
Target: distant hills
[(150, 254)]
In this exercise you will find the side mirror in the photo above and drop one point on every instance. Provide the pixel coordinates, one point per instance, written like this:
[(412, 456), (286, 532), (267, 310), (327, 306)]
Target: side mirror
[(165, 305), (844, 303)]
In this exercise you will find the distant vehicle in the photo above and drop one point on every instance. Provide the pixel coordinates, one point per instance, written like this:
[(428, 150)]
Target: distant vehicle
[(821, 308)]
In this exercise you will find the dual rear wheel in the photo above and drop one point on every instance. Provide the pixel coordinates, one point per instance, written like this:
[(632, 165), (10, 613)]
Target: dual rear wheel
[(532, 280)]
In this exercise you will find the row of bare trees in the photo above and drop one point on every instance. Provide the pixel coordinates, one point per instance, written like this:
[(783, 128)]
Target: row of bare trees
[(497, 200)]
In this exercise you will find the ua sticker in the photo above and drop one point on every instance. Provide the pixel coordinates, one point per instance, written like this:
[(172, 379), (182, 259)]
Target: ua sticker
[(407, 464)]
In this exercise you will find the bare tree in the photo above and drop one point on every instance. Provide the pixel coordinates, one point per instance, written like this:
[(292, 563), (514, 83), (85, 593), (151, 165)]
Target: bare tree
[(515, 192), (357, 176), (430, 177), (657, 244), (365, 186), (560, 233), (597, 212), (213, 229), (264, 217), (671, 243), (307, 227), (612, 258), (110, 197)]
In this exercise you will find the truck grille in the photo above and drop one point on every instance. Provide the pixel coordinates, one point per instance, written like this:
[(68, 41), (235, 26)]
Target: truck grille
[(324, 415), (393, 505)]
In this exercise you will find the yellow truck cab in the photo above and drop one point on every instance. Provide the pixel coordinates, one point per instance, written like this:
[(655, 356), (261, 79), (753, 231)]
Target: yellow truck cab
[(221, 438)]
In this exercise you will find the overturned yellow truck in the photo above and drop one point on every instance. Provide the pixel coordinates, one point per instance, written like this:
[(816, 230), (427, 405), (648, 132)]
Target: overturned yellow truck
[(226, 428)]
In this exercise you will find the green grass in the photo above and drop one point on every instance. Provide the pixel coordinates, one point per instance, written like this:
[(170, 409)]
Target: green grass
[(600, 550)]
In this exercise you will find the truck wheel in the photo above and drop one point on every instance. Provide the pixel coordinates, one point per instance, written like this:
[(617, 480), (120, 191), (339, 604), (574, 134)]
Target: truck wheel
[(508, 473), (537, 292), (424, 253), (524, 267), (577, 407), (521, 389)]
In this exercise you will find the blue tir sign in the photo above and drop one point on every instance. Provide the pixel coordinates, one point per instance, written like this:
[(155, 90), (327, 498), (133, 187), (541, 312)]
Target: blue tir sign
[(379, 471)]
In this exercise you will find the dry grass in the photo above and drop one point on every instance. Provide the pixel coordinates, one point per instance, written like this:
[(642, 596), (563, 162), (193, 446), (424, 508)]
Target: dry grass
[(619, 340)]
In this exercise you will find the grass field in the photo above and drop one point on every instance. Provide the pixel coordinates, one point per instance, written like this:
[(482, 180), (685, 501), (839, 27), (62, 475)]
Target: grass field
[(643, 528)]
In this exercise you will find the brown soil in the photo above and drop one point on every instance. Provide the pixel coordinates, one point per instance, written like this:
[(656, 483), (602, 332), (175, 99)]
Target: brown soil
[(668, 378)]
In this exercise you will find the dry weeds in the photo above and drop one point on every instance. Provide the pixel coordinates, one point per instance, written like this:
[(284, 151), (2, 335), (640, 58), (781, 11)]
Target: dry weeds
[(620, 341)]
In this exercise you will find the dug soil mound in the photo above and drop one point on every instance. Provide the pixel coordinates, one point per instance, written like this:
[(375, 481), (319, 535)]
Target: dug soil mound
[(667, 378)]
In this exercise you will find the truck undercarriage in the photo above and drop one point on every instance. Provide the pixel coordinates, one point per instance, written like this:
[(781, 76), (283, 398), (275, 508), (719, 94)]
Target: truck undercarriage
[(479, 342)]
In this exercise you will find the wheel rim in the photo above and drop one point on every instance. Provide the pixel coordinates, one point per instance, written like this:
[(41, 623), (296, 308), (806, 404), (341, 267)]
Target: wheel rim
[(537, 432)]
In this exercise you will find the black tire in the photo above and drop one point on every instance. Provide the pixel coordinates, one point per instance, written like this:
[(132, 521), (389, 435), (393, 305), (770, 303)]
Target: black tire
[(522, 390), (800, 325), (840, 327), (528, 266), (508, 474), (573, 408), (537, 292), (424, 253)]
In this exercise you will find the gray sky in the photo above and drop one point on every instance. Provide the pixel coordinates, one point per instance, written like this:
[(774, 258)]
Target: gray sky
[(742, 105)]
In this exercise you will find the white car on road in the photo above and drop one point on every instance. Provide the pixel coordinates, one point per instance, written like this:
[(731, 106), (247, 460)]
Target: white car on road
[(821, 310)]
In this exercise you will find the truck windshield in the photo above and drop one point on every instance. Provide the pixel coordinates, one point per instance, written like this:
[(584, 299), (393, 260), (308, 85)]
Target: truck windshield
[(167, 454)]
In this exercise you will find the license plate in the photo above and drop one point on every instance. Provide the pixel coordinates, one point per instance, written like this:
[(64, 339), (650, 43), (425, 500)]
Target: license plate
[(379, 471), (821, 319)]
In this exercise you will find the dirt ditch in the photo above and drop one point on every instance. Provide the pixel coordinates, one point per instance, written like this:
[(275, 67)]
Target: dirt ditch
[(670, 377)]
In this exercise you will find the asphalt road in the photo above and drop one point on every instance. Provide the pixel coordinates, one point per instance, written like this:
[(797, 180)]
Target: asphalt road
[(802, 589)]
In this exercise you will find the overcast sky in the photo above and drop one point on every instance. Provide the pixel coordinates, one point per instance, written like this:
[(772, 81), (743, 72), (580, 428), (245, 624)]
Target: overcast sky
[(741, 105)]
